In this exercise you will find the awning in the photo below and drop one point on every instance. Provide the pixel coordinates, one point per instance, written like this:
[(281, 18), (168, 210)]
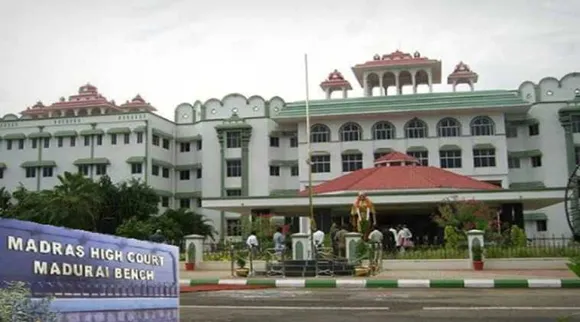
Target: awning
[(484, 146), (191, 166), (59, 134), (162, 163), (38, 135), (89, 161), (38, 164), (383, 150), (136, 160), (535, 216), (350, 152), (283, 163), (119, 130), (92, 132), (527, 185), (188, 139), (320, 153), (141, 128), (417, 149), (163, 193), (450, 147), (15, 136), (524, 154), (161, 134)]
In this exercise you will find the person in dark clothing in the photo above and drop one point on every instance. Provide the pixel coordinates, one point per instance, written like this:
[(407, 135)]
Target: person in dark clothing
[(157, 237)]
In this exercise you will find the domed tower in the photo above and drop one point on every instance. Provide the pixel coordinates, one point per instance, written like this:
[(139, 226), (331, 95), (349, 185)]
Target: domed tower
[(397, 69), (335, 82), (137, 104), (462, 75)]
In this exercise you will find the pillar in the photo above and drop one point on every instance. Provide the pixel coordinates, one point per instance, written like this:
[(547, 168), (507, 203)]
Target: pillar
[(246, 136), (474, 236), (301, 246), (366, 84), (381, 86), (430, 77), (304, 225), (328, 93), (344, 92), (397, 84), (414, 82), (352, 240), (195, 241)]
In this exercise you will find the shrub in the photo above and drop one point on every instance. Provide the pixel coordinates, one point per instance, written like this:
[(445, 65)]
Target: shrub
[(518, 237), (574, 265), (452, 237), (16, 305)]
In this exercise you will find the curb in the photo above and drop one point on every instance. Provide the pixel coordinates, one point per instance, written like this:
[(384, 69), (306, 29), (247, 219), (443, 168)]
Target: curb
[(382, 283)]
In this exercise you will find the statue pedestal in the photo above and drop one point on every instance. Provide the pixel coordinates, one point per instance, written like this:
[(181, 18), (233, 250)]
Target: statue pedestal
[(352, 240), (301, 246), (474, 236), (197, 242)]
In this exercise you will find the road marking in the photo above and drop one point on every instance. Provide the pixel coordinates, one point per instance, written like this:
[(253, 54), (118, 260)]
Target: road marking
[(285, 308), (500, 308)]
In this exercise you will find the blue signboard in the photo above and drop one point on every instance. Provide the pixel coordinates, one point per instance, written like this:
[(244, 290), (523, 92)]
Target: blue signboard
[(71, 264)]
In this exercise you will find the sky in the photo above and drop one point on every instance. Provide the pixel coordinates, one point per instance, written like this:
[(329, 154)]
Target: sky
[(175, 51)]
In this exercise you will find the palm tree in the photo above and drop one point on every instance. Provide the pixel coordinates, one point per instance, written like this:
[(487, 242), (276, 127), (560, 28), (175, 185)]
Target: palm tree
[(191, 223)]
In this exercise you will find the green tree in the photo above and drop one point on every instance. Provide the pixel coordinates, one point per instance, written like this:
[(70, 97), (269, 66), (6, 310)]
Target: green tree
[(191, 223), (5, 203)]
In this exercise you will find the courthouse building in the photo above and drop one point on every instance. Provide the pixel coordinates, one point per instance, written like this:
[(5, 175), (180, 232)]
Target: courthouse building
[(408, 151)]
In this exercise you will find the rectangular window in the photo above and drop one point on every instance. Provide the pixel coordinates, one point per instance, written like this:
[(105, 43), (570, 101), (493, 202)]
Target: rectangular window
[(155, 170), (320, 163), (47, 172), (84, 169), (352, 162), (541, 225), (185, 203), (113, 139), (577, 154), (139, 137), (184, 147), (536, 161), (99, 139), (184, 175), (165, 172), (46, 142), (293, 142), (534, 129), (199, 145), (233, 192), (87, 140), (164, 202), (274, 141), (30, 172), (8, 144), (155, 140), (234, 168), (198, 173), (21, 144), (126, 138), (101, 169), (34, 143), (233, 140), (294, 171), (484, 158), (166, 144), (274, 171), (421, 156), (198, 202), (1, 173), (450, 159), (59, 142), (511, 131), (73, 141), (234, 227), (136, 168), (514, 163)]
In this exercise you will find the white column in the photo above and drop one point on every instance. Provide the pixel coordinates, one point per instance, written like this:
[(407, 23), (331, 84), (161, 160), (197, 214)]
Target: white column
[(472, 236), (397, 83), (328, 93), (381, 88), (195, 241), (301, 246), (365, 84), (305, 225), (414, 81), (454, 86), (344, 92), (471, 85), (430, 81)]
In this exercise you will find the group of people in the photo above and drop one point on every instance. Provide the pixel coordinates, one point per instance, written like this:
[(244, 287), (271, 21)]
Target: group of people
[(396, 238)]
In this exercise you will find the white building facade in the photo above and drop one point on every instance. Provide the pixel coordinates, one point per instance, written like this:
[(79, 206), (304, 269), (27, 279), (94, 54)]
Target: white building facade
[(251, 148)]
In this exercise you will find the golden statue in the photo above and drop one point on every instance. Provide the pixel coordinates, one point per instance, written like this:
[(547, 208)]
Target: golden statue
[(362, 209)]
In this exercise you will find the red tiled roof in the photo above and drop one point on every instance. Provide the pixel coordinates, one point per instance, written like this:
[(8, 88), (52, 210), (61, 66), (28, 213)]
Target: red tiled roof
[(396, 157), (395, 177)]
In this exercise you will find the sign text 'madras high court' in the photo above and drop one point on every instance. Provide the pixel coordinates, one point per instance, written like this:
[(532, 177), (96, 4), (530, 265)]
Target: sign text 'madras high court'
[(69, 252)]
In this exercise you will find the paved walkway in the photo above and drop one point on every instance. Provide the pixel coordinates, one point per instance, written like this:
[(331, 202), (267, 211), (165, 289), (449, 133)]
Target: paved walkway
[(445, 274)]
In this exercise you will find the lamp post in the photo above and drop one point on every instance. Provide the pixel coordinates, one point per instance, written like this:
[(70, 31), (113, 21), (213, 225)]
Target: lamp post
[(309, 162)]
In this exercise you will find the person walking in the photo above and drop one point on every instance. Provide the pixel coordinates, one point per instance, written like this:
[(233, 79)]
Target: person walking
[(279, 242), (333, 230), (341, 241)]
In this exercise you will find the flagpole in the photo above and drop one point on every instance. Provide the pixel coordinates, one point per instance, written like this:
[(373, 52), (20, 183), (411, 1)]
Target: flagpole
[(309, 142)]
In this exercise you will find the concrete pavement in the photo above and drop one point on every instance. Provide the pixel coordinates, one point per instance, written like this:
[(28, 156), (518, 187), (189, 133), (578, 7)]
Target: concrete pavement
[(335, 305)]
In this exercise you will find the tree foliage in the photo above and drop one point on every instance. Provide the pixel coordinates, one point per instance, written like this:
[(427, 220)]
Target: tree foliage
[(128, 209), (465, 215)]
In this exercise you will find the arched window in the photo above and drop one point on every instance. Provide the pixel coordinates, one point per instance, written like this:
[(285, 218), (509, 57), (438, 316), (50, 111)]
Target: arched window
[(482, 126), (319, 133), (383, 130), (448, 127), (415, 129), (350, 132)]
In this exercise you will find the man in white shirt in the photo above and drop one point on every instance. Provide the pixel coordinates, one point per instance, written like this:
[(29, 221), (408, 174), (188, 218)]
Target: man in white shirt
[(376, 236), (318, 238), (252, 243)]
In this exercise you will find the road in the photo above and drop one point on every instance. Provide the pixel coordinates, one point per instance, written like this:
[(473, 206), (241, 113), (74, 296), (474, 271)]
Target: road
[(399, 305)]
